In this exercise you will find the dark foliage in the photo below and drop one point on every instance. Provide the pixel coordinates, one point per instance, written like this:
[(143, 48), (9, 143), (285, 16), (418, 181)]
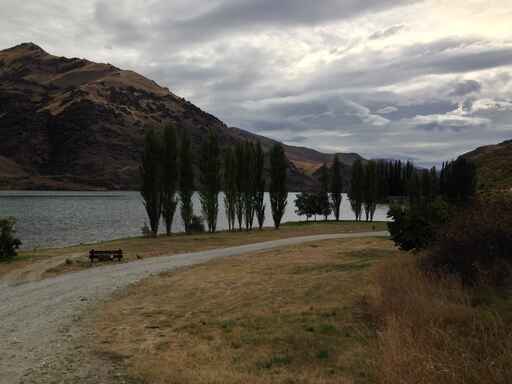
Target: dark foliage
[(230, 187), (151, 179), (336, 186), (196, 224), (324, 205), (476, 244), (356, 189), (259, 184), (210, 179), (415, 227), (278, 190), (458, 181), (8, 242), (186, 170), (169, 177)]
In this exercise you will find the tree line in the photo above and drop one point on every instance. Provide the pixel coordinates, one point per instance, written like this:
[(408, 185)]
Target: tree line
[(168, 180), (381, 181)]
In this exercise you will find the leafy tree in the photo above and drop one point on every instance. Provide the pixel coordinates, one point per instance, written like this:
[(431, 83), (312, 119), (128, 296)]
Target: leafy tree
[(415, 226), (356, 188), (169, 177), (278, 190), (307, 205), (323, 197), (259, 183), (210, 179), (459, 181), (336, 186), (414, 188), (186, 181), (151, 180), (230, 187), (370, 189), (8, 243)]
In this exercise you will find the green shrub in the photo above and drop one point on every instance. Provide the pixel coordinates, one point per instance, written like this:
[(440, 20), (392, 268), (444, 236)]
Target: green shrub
[(196, 224), (415, 226), (476, 244), (8, 243)]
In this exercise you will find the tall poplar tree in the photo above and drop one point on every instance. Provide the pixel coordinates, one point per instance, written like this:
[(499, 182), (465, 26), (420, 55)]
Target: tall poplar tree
[(186, 169), (259, 182), (278, 190), (356, 188), (210, 179), (370, 189), (240, 184), (169, 177), (151, 180), (230, 187), (336, 186), (324, 204)]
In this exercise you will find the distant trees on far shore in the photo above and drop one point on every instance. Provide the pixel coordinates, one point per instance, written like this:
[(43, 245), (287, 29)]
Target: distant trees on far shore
[(168, 178), (381, 181)]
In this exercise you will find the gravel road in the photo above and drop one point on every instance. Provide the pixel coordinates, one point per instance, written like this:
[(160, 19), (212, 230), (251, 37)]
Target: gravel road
[(39, 320)]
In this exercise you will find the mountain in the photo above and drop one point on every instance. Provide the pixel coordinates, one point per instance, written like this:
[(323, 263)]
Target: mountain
[(75, 124), (494, 166)]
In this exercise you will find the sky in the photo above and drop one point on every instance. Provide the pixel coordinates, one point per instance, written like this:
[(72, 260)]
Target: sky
[(419, 80)]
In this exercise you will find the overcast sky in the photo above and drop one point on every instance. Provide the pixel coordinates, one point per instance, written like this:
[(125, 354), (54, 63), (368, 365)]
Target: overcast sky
[(421, 80)]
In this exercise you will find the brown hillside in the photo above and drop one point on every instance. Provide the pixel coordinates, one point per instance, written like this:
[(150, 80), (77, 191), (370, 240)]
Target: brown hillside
[(71, 123), (494, 165)]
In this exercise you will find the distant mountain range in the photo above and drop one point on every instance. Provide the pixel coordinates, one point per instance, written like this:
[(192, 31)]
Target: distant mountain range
[(75, 124)]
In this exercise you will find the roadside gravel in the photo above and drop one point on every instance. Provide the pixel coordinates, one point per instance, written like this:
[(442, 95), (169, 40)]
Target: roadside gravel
[(42, 337)]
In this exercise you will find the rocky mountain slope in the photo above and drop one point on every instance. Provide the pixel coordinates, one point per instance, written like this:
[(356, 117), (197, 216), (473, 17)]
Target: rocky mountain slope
[(494, 166), (74, 124)]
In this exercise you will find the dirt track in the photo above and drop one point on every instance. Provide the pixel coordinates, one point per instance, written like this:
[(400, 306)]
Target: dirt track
[(39, 330)]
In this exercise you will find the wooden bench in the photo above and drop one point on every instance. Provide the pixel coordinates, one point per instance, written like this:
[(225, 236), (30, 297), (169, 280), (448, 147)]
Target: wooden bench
[(105, 255)]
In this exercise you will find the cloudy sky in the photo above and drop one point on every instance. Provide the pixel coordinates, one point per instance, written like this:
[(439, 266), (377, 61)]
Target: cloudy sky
[(421, 80)]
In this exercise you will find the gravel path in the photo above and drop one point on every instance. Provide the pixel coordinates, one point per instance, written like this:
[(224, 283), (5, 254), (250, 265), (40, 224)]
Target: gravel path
[(39, 321)]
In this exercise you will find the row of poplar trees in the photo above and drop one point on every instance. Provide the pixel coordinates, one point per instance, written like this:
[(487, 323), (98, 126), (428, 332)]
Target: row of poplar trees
[(168, 178), (380, 181)]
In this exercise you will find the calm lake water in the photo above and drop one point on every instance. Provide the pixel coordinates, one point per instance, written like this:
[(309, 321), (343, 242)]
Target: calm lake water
[(55, 219)]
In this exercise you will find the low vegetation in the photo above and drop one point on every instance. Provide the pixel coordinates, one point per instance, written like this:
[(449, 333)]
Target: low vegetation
[(9, 244), (291, 315), (431, 329)]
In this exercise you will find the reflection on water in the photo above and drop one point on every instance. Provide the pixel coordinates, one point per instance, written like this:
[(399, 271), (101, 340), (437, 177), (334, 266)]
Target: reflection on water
[(54, 219)]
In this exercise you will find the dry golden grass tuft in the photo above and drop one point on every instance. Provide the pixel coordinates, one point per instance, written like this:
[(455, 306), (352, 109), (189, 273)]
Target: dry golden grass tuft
[(431, 330), (286, 316)]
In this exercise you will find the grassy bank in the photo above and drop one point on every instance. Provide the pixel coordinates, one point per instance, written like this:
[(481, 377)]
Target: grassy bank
[(140, 247), (339, 311), (291, 315), (434, 329)]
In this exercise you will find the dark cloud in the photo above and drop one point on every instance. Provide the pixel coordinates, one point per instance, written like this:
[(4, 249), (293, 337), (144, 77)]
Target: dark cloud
[(393, 30), (335, 75), (466, 87)]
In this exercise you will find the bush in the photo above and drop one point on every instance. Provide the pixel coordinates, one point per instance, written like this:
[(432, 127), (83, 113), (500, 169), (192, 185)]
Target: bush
[(8, 243), (415, 226), (476, 244), (196, 224)]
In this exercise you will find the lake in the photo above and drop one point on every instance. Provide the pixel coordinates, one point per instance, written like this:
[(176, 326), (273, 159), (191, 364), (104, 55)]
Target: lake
[(56, 219)]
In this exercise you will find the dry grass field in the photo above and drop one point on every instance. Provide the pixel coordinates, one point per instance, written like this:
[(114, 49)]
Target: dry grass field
[(287, 316)]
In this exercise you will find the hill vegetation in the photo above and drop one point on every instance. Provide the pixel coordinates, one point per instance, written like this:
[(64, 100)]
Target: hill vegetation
[(494, 166)]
